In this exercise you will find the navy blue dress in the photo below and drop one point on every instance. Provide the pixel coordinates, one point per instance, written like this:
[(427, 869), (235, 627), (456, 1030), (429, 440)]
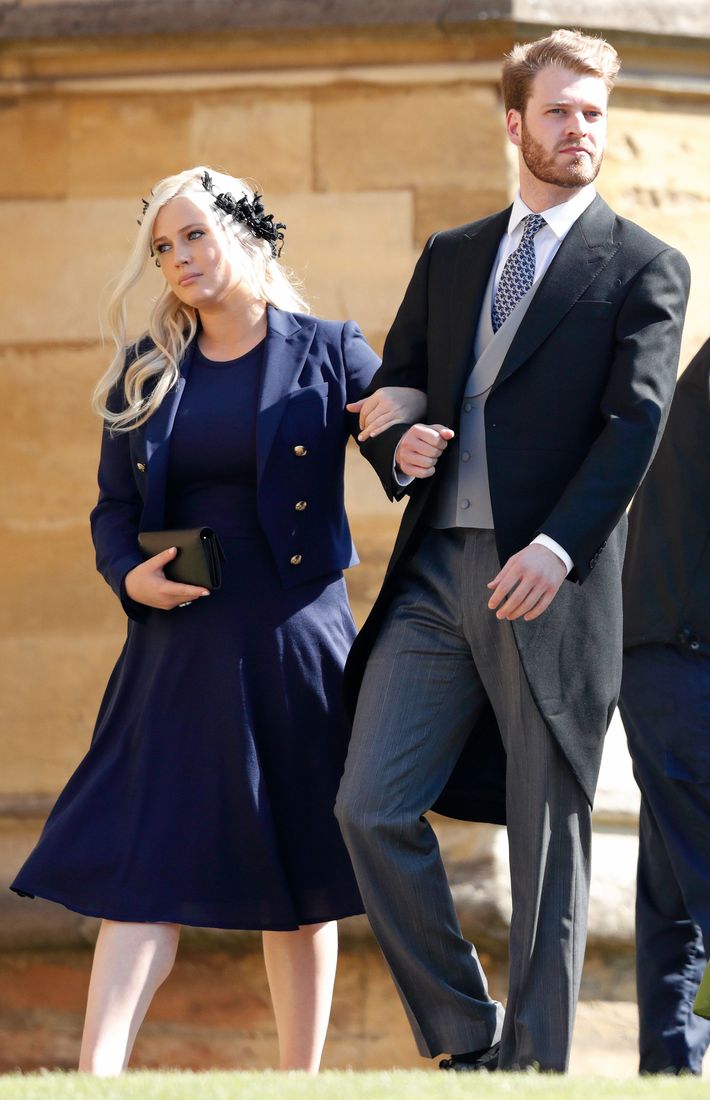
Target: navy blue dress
[(206, 797)]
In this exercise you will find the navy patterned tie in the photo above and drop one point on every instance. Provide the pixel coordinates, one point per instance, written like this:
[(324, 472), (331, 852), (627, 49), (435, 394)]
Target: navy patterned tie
[(518, 273)]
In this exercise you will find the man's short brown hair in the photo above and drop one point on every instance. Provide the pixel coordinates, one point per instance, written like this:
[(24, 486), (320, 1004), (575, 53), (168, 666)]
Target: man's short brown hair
[(565, 49)]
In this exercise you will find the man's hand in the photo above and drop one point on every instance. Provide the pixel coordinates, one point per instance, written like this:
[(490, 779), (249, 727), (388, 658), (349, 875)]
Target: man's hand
[(419, 449), (527, 583), (387, 406)]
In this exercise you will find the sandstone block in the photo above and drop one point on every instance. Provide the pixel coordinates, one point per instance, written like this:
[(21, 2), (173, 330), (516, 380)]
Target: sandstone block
[(120, 145), (60, 298), (353, 251), (51, 688), (52, 438), (26, 922), (35, 130), (612, 895), (432, 136), (689, 233), (445, 207), (683, 17), (50, 446), (262, 137), (606, 1036), (52, 587), (617, 799), (657, 172), (214, 1012), (657, 159)]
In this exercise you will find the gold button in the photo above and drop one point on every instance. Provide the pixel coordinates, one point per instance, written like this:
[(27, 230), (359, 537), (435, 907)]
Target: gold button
[(141, 466), (296, 559), (301, 505), (300, 451)]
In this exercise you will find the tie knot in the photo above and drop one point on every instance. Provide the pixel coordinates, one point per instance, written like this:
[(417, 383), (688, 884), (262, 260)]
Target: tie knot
[(533, 225)]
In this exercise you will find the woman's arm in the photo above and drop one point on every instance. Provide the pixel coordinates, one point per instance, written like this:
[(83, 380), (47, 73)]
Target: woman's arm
[(115, 521), (116, 516)]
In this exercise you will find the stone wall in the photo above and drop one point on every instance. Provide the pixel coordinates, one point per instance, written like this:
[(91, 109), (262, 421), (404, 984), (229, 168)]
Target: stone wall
[(366, 137)]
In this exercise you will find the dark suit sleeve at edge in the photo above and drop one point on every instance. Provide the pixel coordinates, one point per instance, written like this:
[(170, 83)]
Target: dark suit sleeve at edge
[(404, 363), (116, 516), (635, 405)]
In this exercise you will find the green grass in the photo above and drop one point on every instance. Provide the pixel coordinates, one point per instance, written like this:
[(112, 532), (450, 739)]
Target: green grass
[(397, 1085)]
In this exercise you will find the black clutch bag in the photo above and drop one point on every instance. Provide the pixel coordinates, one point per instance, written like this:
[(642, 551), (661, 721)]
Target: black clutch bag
[(199, 555)]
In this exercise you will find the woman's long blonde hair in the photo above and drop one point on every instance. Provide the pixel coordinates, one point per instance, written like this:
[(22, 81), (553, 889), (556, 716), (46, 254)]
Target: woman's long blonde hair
[(154, 367)]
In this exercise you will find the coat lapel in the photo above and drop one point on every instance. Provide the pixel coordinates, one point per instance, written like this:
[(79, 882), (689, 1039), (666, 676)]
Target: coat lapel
[(585, 251), (157, 447), (288, 342), (475, 257)]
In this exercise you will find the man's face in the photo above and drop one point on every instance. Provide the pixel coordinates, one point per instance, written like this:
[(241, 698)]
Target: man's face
[(562, 133)]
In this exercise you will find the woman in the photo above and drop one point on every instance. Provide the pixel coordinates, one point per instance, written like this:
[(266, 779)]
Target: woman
[(206, 796)]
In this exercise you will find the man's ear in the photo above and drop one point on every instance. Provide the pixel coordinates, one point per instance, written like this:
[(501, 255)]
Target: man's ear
[(513, 126)]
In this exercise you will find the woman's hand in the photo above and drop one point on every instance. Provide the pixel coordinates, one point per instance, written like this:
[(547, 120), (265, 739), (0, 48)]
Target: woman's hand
[(148, 584), (387, 406)]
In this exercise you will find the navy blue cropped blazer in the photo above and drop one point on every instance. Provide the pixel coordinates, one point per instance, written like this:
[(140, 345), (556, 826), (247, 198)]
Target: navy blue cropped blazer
[(311, 369)]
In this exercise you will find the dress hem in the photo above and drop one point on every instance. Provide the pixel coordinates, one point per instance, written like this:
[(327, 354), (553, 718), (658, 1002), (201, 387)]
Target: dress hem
[(241, 927)]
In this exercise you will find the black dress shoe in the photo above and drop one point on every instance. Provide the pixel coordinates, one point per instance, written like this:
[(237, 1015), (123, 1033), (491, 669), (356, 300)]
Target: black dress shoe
[(474, 1062)]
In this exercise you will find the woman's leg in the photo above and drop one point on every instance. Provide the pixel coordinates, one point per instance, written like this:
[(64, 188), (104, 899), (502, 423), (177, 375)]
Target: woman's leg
[(130, 962), (300, 967)]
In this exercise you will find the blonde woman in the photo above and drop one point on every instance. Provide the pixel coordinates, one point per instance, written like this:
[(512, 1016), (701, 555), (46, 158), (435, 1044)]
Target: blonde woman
[(206, 796)]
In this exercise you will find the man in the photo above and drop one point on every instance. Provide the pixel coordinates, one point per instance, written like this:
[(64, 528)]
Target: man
[(546, 338), (665, 706)]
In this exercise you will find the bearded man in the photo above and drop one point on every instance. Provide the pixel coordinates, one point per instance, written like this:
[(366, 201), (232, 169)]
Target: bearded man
[(546, 338)]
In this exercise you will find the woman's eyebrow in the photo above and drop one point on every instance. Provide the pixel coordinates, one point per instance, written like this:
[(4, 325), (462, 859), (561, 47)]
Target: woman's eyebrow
[(183, 229)]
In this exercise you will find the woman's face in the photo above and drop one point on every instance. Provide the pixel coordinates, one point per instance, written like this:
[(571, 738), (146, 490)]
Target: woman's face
[(195, 256)]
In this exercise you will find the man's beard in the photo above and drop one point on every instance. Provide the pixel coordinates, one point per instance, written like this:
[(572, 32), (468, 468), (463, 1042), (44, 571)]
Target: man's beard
[(578, 172)]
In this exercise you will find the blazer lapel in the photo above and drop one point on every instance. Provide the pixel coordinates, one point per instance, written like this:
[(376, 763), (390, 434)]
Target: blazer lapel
[(288, 342), (475, 257), (157, 446), (585, 251)]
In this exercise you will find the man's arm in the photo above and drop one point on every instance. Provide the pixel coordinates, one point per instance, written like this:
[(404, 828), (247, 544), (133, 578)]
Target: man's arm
[(634, 407), (404, 363)]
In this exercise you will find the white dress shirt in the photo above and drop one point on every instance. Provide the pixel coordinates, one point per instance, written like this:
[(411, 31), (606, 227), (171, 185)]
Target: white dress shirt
[(559, 220)]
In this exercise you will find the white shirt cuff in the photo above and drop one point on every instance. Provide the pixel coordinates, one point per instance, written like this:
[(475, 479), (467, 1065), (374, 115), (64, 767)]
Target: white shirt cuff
[(403, 480), (545, 540)]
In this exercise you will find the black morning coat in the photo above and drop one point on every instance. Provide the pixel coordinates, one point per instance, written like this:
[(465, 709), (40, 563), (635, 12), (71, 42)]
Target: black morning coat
[(666, 579), (572, 423)]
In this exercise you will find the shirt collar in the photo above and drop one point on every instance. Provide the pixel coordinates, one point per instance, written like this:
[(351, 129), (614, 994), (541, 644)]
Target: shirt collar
[(560, 218)]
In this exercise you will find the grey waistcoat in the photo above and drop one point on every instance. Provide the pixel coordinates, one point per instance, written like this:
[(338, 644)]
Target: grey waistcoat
[(463, 497)]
